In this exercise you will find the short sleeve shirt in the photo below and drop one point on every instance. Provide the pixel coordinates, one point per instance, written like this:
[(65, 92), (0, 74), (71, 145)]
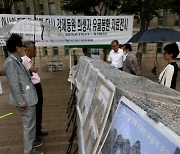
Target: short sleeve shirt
[(27, 64), (116, 58)]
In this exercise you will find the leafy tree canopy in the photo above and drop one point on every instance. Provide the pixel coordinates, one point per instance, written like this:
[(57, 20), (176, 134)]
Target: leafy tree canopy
[(7, 4), (92, 7), (175, 6), (143, 10)]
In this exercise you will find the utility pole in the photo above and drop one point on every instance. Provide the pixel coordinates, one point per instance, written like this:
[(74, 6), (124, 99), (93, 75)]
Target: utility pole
[(34, 27), (34, 3)]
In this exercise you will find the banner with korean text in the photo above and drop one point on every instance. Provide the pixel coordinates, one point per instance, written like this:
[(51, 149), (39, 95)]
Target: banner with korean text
[(81, 30)]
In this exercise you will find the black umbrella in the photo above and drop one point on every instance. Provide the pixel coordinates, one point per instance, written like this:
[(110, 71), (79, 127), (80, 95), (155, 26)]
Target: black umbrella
[(156, 35)]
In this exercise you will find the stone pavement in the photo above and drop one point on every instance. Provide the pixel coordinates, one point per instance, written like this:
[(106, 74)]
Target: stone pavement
[(56, 96)]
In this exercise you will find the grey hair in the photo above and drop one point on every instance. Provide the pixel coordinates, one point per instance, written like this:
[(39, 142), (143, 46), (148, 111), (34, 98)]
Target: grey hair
[(28, 44), (115, 41)]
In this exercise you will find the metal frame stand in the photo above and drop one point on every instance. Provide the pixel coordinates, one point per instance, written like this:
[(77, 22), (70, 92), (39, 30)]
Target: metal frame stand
[(72, 113)]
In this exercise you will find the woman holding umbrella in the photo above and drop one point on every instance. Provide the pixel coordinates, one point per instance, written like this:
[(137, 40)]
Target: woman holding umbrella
[(168, 76)]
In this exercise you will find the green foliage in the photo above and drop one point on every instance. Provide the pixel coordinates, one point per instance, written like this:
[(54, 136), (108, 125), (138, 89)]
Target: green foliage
[(80, 6), (92, 7), (6, 5), (175, 6), (144, 10)]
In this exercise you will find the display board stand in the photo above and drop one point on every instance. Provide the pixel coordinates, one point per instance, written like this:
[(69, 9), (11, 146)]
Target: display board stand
[(71, 140), (72, 98), (71, 110)]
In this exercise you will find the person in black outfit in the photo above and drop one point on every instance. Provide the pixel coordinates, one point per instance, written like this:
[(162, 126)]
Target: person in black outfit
[(168, 76)]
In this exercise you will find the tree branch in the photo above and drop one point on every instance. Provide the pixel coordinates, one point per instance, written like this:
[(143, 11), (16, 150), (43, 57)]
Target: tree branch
[(102, 6), (97, 13), (106, 9)]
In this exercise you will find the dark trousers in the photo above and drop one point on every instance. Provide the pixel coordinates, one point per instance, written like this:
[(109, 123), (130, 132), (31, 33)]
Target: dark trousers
[(39, 106)]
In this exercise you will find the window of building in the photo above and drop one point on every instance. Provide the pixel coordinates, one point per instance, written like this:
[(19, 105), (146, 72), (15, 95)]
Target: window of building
[(55, 51), (64, 12), (52, 9), (161, 17), (41, 9), (18, 11), (28, 10), (159, 47), (177, 20), (45, 51), (66, 50)]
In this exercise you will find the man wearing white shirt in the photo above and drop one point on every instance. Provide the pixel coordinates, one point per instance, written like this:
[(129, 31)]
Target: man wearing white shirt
[(28, 63), (116, 55)]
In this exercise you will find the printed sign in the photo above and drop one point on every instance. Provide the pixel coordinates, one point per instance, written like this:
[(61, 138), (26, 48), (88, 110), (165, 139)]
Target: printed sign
[(82, 73), (132, 132), (80, 30), (93, 115)]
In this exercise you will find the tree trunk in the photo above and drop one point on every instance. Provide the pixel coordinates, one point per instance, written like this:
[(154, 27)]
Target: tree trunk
[(105, 54), (144, 26), (139, 57), (86, 53)]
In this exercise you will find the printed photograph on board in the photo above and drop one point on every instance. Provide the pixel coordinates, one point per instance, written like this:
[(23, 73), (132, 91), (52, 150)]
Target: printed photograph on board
[(82, 74), (131, 134), (98, 113), (88, 93)]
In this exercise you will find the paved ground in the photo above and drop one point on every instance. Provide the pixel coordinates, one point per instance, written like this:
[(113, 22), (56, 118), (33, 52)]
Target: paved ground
[(56, 96)]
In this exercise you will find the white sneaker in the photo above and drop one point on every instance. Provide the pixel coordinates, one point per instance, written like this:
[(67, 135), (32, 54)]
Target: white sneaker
[(38, 144)]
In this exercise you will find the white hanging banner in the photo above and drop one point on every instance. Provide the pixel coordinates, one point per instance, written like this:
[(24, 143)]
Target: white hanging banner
[(81, 30)]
